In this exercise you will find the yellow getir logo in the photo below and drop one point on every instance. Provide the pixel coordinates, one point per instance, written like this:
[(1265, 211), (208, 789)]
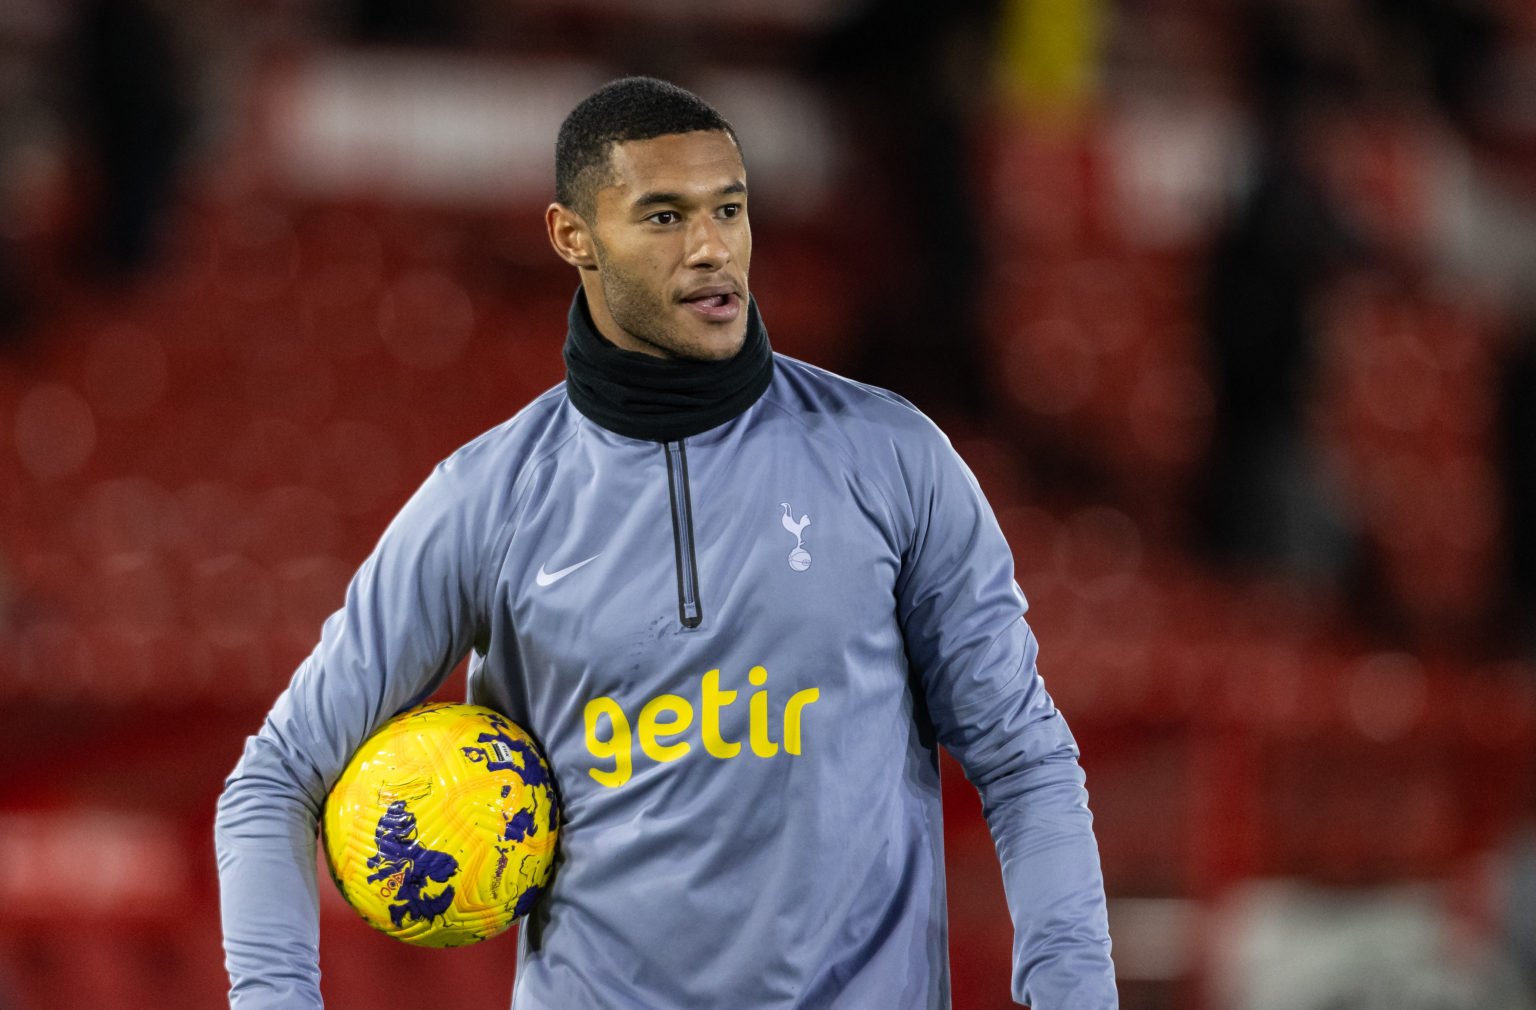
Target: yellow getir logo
[(667, 717)]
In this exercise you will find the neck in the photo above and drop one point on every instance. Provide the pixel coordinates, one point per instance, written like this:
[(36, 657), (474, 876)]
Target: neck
[(647, 396)]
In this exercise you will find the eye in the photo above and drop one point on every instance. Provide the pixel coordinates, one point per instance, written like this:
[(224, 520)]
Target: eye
[(730, 210), (664, 217)]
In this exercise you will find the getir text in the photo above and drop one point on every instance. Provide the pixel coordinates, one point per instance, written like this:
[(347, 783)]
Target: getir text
[(666, 717)]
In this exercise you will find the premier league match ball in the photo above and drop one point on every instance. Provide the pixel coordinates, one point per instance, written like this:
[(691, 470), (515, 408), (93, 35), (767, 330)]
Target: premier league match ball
[(441, 831)]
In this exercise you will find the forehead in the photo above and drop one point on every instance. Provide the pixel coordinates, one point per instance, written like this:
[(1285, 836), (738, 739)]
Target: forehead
[(684, 163)]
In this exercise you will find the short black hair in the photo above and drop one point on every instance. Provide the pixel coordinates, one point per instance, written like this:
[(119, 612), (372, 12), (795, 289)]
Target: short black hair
[(630, 108)]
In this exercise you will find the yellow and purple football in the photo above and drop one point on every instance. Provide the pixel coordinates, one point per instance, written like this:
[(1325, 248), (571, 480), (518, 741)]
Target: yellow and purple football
[(441, 831)]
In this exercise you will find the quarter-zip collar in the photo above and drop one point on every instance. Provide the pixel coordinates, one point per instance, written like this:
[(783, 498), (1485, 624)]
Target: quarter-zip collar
[(661, 399)]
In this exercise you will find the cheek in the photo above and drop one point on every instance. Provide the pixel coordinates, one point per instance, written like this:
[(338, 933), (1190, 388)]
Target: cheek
[(743, 252), (638, 257), (636, 278)]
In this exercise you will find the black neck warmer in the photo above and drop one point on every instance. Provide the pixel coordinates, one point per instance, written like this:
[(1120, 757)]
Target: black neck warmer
[(661, 399)]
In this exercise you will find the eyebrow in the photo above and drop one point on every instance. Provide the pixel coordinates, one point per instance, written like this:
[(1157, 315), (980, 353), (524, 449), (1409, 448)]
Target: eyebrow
[(653, 198)]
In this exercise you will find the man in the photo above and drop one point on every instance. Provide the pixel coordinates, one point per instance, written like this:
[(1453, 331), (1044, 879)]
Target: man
[(741, 601)]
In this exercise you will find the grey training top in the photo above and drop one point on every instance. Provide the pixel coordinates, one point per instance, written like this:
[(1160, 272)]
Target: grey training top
[(741, 651)]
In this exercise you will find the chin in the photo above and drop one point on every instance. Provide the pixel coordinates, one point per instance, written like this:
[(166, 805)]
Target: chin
[(712, 344), (716, 350)]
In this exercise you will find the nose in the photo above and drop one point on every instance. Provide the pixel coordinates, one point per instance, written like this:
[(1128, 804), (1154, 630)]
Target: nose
[(707, 250)]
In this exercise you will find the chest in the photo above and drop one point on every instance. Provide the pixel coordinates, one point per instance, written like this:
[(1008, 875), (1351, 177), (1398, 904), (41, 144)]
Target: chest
[(626, 559)]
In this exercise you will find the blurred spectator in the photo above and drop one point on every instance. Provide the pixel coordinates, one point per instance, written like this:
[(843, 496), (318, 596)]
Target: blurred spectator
[(13, 305), (1449, 43), (22, 121), (135, 118), (1264, 502), (1517, 445), (911, 77)]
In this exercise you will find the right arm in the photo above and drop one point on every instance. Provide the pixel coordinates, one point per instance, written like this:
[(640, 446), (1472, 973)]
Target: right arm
[(411, 612)]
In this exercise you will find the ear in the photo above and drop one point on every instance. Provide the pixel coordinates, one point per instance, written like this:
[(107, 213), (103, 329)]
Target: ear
[(570, 236)]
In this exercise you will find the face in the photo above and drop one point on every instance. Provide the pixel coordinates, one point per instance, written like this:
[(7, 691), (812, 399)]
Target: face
[(664, 259)]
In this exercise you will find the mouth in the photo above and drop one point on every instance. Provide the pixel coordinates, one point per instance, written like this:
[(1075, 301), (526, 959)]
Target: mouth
[(715, 304)]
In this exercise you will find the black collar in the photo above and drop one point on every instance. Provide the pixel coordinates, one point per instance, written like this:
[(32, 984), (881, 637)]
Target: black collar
[(661, 399)]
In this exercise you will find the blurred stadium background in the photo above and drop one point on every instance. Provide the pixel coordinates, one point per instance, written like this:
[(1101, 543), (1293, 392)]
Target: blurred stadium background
[(1230, 304)]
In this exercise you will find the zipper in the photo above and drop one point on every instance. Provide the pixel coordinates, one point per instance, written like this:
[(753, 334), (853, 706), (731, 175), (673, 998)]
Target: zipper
[(688, 608)]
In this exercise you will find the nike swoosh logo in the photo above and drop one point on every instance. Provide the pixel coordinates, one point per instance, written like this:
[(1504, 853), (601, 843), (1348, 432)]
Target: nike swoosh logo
[(550, 578)]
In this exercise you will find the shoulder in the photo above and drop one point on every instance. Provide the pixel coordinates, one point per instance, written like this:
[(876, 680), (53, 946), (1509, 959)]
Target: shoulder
[(887, 444), (862, 415), (487, 473), (507, 449), (467, 504)]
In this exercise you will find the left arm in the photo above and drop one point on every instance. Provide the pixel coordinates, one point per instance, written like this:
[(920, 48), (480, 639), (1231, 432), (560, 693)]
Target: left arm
[(962, 616)]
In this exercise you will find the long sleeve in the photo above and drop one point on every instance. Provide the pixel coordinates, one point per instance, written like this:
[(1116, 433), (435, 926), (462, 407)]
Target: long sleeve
[(963, 619), (411, 612)]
